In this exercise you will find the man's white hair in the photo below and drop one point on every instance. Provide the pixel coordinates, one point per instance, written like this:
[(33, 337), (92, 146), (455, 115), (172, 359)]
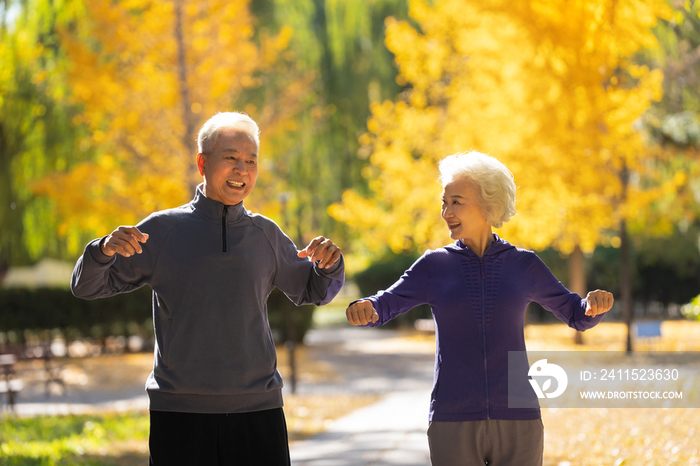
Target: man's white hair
[(208, 135), (491, 181)]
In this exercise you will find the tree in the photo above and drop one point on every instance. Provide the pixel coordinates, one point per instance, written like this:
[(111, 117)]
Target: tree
[(36, 131), (340, 49), (537, 87), (147, 74), (674, 122), (549, 87)]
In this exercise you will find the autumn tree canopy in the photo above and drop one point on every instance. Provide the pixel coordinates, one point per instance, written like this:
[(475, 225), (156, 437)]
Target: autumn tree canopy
[(147, 74), (548, 87)]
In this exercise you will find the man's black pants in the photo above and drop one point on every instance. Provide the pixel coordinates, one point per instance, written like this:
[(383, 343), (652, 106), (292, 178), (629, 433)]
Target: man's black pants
[(257, 439)]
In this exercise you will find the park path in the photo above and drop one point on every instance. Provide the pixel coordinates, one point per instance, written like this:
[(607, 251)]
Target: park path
[(34, 402), (389, 432)]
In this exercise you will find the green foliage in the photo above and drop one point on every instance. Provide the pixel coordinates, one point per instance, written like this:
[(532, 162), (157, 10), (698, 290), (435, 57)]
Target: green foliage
[(679, 38), (666, 269), (37, 135), (692, 309), (339, 48), (673, 121), (66, 440), (284, 314), (381, 275), (50, 308)]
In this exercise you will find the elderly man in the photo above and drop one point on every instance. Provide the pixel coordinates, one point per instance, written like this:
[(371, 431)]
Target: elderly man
[(215, 395)]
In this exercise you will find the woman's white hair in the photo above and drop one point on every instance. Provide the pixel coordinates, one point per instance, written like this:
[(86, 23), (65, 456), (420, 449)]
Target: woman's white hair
[(208, 135), (491, 181)]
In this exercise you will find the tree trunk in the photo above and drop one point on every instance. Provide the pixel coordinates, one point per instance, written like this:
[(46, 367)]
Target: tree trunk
[(625, 280), (577, 281), (186, 105), (626, 285), (12, 248)]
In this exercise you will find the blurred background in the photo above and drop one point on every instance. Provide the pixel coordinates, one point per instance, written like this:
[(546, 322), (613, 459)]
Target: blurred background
[(593, 104)]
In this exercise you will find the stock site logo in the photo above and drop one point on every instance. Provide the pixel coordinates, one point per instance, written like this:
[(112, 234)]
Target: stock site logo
[(542, 370)]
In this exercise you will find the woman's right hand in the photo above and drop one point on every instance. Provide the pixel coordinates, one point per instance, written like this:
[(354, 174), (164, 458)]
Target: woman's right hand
[(361, 313)]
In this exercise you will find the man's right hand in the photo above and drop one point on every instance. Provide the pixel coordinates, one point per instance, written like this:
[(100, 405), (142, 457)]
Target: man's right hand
[(362, 313), (123, 241)]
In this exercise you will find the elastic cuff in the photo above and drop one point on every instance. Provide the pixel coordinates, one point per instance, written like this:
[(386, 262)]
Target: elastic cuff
[(329, 273), (96, 252)]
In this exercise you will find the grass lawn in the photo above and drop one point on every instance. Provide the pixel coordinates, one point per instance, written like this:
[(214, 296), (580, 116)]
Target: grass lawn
[(105, 439)]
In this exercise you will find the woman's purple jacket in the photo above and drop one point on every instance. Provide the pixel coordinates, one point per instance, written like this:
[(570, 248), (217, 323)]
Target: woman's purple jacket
[(479, 308)]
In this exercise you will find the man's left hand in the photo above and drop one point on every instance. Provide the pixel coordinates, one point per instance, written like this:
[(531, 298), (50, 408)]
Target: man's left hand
[(323, 251)]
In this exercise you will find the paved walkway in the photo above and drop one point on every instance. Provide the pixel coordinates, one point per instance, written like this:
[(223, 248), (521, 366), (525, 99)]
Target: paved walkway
[(369, 360), (127, 395), (51, 407), (389, 432)]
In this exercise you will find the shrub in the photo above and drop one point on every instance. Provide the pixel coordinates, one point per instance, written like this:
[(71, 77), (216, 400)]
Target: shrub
[(381, 275), (692, 309), (34, 310), (282, 313)]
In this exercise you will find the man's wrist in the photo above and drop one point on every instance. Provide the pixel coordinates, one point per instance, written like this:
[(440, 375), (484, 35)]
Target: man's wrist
[(332, 269), (95, 250), (101, 246)]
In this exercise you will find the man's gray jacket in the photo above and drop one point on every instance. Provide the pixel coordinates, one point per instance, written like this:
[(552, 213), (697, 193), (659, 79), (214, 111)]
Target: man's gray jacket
[(211, 268)]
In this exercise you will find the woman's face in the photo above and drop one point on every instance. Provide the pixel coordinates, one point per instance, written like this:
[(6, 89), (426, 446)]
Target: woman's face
[(461, 212)]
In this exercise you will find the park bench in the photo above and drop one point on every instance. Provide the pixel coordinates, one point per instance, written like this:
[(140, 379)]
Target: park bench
[(9, 383), (648, 331), (52, 372)]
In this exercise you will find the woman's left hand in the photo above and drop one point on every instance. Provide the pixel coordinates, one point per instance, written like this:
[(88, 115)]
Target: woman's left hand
[(598, 302)]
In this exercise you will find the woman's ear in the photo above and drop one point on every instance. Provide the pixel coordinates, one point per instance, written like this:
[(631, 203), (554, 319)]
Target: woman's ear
[(200, 163)]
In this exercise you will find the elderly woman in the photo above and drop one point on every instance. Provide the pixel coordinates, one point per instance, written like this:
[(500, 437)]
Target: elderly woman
[(479, 288)]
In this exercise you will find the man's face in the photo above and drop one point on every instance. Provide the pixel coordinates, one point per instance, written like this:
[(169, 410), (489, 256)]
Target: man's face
[(231, 168)]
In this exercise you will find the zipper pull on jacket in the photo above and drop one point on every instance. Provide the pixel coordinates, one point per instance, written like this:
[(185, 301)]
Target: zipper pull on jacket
[(223, 229)]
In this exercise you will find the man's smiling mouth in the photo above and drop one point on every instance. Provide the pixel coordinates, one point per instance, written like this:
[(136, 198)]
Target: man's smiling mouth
[(235, 184)]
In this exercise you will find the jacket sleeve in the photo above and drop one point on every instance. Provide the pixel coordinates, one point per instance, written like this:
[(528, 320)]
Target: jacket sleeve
[(409, 291), (99, 276), (300, 279), (567, 306)]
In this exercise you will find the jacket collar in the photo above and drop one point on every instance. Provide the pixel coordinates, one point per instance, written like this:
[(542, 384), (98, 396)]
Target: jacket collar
[(496, 247), (215, 209)]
